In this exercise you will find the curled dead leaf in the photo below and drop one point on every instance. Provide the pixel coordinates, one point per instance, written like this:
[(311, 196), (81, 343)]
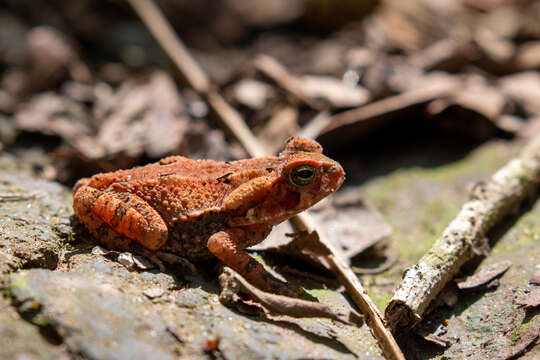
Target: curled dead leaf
[(484, 275), (232, 284)]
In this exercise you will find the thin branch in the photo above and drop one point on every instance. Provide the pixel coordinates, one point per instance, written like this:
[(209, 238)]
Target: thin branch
[(489, 203), (196, 78), (153, 18), (390, 104), (374, 319)]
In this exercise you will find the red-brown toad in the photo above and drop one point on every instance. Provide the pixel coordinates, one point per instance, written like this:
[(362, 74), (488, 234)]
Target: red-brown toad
[(200, 208)]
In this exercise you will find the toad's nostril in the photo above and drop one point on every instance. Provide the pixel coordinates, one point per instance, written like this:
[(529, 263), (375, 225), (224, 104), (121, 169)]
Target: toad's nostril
[(337, 169)]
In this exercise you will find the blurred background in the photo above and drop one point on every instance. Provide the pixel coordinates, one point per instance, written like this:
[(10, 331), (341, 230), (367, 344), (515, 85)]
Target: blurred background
[(85, 88)]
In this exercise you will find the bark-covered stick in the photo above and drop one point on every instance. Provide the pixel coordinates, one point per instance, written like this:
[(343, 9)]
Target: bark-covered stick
[(489, 203)]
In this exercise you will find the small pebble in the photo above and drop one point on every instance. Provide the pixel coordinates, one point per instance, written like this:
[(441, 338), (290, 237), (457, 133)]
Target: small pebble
[(126, 259), (153, 293)]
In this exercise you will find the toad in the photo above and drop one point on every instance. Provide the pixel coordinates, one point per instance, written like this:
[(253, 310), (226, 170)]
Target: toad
[(203, 208)]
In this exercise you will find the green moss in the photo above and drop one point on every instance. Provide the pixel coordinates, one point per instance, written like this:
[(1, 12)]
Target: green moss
[(419, 203), (320, 294), (379, 298), (523, 329), (17, 281)]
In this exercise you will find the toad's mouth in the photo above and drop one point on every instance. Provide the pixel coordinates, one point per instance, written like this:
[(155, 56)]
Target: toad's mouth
[(275, 211)]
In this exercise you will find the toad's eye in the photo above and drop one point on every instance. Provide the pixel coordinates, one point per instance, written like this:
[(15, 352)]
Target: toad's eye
[(302, 175)]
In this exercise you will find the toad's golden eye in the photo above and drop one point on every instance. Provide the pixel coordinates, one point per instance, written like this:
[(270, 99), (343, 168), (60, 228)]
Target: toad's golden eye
[(302, 175)]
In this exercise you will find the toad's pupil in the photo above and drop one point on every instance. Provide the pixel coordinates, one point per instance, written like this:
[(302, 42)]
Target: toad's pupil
[(305, 173)]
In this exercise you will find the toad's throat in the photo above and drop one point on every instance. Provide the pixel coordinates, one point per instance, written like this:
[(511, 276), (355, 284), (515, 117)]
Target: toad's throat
[(274, 212)]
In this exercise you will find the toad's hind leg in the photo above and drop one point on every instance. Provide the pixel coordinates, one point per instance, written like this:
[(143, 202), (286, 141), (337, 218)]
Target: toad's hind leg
[(116, 218)]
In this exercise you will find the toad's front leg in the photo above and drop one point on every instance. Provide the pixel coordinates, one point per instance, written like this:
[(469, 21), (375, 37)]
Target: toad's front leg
[(228, 246)]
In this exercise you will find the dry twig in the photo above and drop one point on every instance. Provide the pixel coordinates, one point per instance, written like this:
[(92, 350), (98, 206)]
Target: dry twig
[(364, 113), (232, 283), (489, 203), (231, 119), (195, 77)]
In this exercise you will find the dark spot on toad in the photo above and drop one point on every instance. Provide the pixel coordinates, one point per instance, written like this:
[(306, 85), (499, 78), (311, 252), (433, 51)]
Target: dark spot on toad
[(252, 265), (167, 161), (224, 178)]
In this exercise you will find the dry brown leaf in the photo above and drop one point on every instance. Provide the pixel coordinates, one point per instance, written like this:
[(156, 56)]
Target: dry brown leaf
[(264, 13), (531, 299), (524, 89), (50, 59), (232, 284), (346, 219), (282, 125), (444, 53), (306, 246), (496, 48), (144, 116), (352, 223), (57, 115), (535, 278), (313, 89), (437, 340), (252, 93), (477, 95), (523, 344), (481, 247), (484, 275), (333, 91), (528, 56)]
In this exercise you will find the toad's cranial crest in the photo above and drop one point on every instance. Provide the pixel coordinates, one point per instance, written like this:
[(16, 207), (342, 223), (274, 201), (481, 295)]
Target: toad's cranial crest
[(203, 208)]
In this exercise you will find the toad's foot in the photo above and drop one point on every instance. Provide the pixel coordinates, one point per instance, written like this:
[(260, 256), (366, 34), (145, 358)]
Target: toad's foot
[(174, 259), (224, 246)]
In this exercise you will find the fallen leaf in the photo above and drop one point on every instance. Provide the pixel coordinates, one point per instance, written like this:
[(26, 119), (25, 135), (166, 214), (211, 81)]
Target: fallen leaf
[(252, 93), (282, 125), (352, 124), (524, 89), (437, 340), (146, 116), (481, 246), (358, 227), (51, 58), (484, 275), (313, 89), (53, 114), (232, 284), (126, 259), (477, 95), (332, 90), (439, 55), (495, 47), (523, 344), (531, 299), (535, 278), (528, 55), (306, 246)]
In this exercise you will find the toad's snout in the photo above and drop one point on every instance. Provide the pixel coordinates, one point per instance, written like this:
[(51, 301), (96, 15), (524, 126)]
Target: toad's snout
[(334, 176)]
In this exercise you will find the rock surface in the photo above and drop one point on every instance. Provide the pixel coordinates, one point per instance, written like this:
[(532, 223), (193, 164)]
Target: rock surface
[(63, 301)]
